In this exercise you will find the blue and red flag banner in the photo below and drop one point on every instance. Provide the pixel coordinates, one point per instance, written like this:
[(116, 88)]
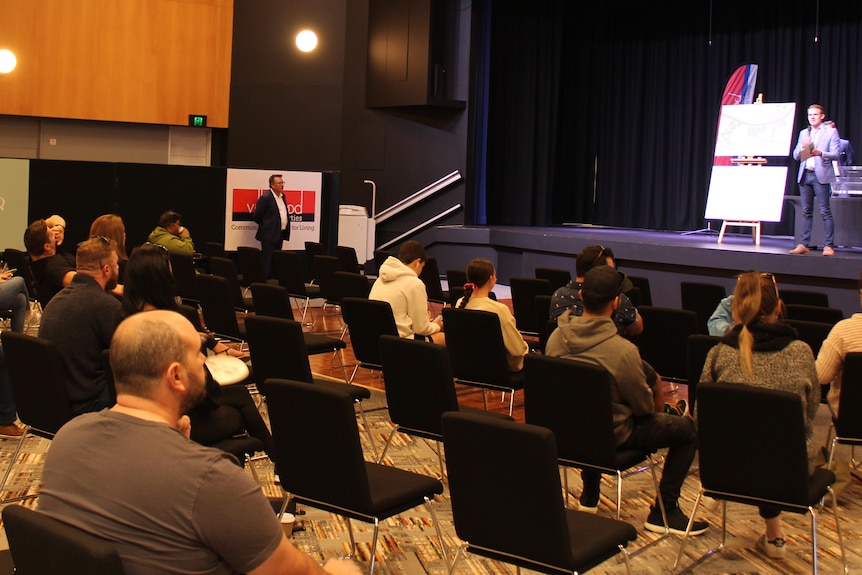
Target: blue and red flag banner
[(738, 90)]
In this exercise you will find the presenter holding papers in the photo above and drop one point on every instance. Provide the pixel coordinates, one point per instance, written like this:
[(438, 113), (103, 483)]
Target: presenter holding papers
[(817, 148)]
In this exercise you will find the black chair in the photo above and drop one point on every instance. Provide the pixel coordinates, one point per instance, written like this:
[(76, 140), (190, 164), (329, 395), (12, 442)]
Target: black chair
[(474, 339), (226, 268), (213, 249), (279, 349), (804, 297), (456, 279), (772, 470), (848, 424), (290, 275), (573, 399), (558, 277), (328, 470), (38, 378), (366, 321), (701, 298), (183, 270), (663, 340), (546, 325), (644, 294), (347, 257), (813, 333), (381, 255), (271, 300), (830, 315), (16, 259), (312, 249), (696, 349), (430, 276), (419, 389), (249, 264), (349, 284), (324, 270), (524, 292), (42, 545), (217, 307), (487, 461)]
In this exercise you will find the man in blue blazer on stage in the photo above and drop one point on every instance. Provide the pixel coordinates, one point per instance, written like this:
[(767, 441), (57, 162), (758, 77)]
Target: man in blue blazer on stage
[(816, 149), (273, 224)]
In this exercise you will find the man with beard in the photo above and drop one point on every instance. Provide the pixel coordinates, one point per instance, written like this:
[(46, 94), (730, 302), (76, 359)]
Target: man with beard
[(81, 321), (130, 475)]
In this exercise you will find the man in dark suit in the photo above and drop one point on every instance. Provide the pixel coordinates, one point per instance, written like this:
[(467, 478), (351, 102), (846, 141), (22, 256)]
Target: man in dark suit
[(273, 224)]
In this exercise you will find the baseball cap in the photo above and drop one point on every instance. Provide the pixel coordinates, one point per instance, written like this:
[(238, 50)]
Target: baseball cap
[(603, 283)]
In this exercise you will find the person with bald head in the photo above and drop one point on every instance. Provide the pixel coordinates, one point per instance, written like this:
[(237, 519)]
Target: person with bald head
[(80, 321), (131, 476)]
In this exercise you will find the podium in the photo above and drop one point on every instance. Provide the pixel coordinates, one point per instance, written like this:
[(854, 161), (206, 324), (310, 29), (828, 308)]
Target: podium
[(847, 213)]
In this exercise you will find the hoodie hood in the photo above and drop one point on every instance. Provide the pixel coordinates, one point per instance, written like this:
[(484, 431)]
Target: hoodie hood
[(392, 269), (579, 334)]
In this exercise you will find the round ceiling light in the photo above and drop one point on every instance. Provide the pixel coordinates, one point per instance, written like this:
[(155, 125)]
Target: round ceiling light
[(7, 61), (306, 40)]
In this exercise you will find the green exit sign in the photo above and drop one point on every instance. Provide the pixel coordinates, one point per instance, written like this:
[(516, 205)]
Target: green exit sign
[(197, 121)]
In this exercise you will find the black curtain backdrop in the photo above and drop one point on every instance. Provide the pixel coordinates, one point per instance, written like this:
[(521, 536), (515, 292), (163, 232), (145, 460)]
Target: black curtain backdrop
[(606, 113)]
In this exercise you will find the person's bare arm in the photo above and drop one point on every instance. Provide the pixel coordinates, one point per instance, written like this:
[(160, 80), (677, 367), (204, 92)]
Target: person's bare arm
[(288, 560), (67, 279)]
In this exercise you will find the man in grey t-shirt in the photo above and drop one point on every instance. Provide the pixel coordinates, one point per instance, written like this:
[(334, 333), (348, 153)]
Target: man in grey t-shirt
[(131, 476)]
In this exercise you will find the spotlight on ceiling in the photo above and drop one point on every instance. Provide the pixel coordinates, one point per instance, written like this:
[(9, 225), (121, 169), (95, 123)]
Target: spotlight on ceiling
[(7, 61), (306, 40)]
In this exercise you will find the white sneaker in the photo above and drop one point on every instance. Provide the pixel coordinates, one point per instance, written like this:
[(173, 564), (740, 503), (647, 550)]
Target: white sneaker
[(773, 549)]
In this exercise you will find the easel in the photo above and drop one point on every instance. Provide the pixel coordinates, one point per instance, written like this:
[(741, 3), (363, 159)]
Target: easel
[(754, 225)]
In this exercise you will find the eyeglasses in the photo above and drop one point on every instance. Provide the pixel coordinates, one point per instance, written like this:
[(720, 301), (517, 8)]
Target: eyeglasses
[(160, 246), (600, 255), (103, 238), (106, 252)]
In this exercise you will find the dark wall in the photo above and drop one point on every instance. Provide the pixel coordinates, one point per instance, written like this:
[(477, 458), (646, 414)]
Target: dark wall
[(310, 114)]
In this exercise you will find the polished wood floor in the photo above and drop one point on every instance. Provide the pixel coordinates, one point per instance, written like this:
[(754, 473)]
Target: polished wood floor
[(467, 396)]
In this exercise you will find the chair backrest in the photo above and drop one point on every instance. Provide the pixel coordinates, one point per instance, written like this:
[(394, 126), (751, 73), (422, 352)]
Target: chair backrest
[(277, 349), (38, 380), (430, 276), (573, 399), (349, 284), (226, 268), (347, 257), (663, 340), (271, 300), (644, 293), (328, 466), (381, 255), (419, 383), (696, 349), (324, 271), (732, 457), (16, 259), (830, 315), (312, 249), (250, 265), (41, 545), (813, 333), (557, 276), (289, 272), (804, 297), (524, 292), (545, 324), (183, 269), (488, 459), (474, 339), (849, 422), (213, 249), (192, 314), (217, 305), (701, 298), (366, 321)]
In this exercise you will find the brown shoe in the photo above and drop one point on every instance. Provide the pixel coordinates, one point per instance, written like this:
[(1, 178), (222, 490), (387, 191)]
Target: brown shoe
[(11, 430), (800, 249), (828, 251)]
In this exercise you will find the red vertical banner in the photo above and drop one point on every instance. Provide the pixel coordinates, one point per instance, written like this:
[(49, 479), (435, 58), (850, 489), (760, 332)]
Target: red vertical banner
[(738, 90)]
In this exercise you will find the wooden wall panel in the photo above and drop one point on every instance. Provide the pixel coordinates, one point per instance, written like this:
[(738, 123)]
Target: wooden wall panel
[(143, 61)]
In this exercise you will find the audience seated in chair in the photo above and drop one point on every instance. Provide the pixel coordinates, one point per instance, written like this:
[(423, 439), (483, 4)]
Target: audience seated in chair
[(845, 337), (637, 399), (481, 279), (158, 498), (399, 285), (626, 317), (761, 352)]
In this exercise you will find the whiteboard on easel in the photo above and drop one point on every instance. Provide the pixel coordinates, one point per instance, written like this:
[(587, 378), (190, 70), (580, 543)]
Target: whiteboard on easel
[(749, 193), (755, 129)]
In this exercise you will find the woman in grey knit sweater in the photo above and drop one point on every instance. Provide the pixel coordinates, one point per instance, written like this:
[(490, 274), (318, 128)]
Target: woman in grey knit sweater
[(763, 353)]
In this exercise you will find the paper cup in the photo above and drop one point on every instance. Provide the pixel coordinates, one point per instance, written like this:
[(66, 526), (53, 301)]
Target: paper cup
[(287, 521)]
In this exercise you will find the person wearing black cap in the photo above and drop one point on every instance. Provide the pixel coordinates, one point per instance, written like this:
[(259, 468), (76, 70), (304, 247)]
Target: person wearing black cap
[(593, 337)]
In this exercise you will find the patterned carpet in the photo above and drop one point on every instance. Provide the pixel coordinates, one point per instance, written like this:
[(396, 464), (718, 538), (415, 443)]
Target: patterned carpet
[(408, 543)]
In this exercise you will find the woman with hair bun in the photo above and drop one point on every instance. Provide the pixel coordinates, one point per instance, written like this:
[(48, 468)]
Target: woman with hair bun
[(481, 278), (761, 352)]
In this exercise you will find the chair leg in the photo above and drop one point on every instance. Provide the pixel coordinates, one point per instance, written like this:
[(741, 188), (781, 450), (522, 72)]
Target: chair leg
[(626, 555), (661, 506), (386, 447), (511, 402), (712, 551), (429, 504), (458, 554), (838, 529), (813, 540), (565, 471), (337, 357), (367, 429), (373, 546), (14, 459)]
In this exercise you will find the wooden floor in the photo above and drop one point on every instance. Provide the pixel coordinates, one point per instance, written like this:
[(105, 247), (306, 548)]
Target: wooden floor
[(467, 396)]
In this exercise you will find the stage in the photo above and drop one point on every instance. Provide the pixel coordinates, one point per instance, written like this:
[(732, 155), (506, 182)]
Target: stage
[(666, 258)]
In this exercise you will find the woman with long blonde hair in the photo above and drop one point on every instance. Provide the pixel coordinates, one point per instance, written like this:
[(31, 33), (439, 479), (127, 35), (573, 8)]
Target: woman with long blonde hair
[(760, 351)]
